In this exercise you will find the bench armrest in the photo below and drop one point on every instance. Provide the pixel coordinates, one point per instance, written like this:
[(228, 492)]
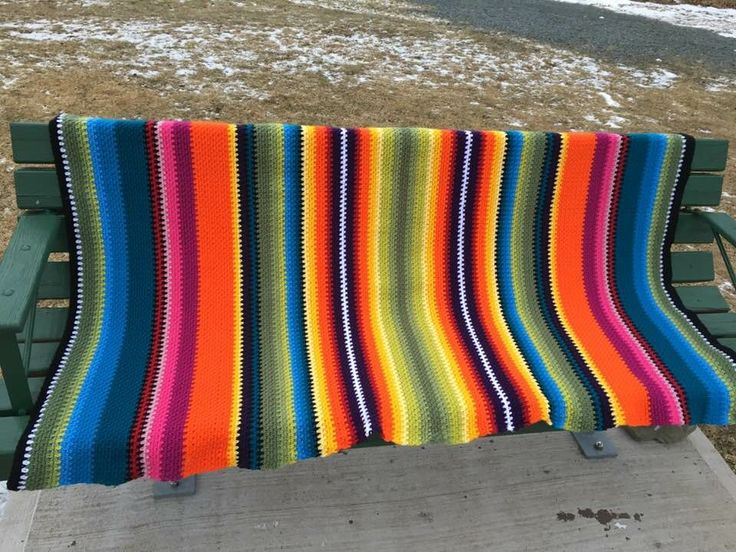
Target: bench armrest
[(35, 236), (721, 223)]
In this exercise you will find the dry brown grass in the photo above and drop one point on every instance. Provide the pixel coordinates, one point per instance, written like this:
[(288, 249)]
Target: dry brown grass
[(316, 72)]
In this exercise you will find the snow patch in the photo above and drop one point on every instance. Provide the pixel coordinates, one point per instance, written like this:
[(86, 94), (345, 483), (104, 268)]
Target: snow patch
[(656, 78), (608, 99), (184, 56), (615, 121), (726, 286), (718, 20), (721, 84)]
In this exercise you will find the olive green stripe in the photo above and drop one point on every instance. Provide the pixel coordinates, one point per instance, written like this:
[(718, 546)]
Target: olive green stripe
[(392, 213), (59, 407), (407, 220), (277, 414), (453, 429)]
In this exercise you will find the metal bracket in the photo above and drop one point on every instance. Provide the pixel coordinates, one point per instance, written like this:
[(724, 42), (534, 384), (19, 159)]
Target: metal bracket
[(595, 444), (169, 489)]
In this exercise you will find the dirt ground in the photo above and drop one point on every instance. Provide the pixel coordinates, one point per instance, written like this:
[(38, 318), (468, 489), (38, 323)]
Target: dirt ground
[(352, 63)]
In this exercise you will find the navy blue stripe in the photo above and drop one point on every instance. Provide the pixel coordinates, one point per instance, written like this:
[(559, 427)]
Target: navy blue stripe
[(473, 200), (248, 327), (352, 268), (334, 260), (457, 178)]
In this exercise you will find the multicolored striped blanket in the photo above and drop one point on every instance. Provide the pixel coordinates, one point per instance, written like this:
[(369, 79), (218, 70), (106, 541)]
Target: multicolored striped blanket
[(253, 295)]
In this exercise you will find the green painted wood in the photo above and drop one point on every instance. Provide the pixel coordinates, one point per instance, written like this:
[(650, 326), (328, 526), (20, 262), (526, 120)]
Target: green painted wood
[(702, 299), (41, 356), (21, 266), (31, 142), (721, 223), (6, 408), (59, 243), (703, 189), (692, 229), (722, 324), (55, 281), (692, 266), (50, 324), (38, 188), (729, 342), (14, 375), (710, 154), (11, 430)]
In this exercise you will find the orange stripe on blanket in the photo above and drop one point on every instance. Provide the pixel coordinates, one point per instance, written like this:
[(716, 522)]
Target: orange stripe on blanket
[(207, 431), (627, 393)]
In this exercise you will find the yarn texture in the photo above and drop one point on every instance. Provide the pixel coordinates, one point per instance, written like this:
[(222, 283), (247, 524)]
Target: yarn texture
[(253, 295)]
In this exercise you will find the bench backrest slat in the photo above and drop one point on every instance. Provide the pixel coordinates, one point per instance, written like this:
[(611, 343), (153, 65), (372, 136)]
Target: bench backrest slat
[(692, 266), (31, 142)]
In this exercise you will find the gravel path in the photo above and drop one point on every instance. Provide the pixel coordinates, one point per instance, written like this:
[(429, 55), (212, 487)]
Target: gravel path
[(620, 38)]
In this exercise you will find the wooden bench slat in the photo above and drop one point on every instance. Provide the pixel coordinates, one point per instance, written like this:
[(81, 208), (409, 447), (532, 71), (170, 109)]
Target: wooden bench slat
[(6, 409), (50, 324), (692, 266), (38, 188), (702, 299), (31, 142), (729, 342), (703, 189), (55, 281), (11, 430), (722, 324), (722, 223), (22, 263), (41, 356), (710, 154), (692, 229)]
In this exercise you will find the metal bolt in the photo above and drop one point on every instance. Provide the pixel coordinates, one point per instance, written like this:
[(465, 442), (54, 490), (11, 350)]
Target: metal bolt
[(598, 445), (8, 292), (174, 484)]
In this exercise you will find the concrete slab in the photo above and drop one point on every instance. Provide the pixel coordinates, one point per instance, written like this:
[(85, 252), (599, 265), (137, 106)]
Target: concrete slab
[(523, 492)]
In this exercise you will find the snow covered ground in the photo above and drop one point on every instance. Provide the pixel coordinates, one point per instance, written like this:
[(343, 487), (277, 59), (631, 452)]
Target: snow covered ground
[(242, 50), (718, 20)]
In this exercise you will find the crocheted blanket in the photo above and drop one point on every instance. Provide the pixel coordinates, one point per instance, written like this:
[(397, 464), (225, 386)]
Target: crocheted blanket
[(253, 295)]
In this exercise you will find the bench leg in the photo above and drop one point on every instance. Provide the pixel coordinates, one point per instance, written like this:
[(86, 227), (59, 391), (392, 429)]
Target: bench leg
[(661, 434), (595, 444), (169, 489)]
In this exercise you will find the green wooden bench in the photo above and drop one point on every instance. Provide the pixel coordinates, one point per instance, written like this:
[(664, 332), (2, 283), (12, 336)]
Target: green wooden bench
[(30, 332)]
